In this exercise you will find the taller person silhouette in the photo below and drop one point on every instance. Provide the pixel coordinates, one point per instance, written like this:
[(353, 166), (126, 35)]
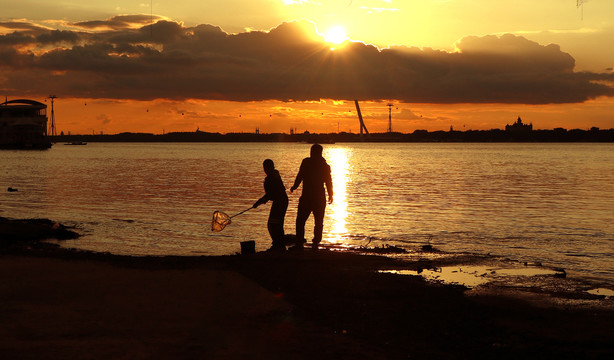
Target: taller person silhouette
[(314, 173)]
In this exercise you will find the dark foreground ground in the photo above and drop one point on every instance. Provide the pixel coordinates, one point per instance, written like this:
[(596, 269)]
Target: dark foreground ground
[(306, 305)]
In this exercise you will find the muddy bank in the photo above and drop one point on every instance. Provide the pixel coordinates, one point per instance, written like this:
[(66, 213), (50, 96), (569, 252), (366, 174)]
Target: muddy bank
[(299, 305), (20, 232), (409, 318)]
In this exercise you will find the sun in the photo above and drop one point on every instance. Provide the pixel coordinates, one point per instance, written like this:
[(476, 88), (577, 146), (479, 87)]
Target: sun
[(336, 35)]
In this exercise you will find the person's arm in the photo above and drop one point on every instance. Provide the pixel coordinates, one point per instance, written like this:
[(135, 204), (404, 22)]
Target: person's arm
[(262, 200), (267, 192), (299, 178), (329, 186)]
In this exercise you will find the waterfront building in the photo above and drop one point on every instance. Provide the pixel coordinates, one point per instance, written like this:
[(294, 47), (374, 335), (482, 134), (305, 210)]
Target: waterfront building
[(23, 125)]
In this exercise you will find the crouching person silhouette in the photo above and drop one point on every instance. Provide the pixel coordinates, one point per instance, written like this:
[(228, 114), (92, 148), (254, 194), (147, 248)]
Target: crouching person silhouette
[(314, 173), (276, 192)]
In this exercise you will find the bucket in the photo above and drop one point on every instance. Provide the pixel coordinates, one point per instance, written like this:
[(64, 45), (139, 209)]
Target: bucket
[(248, 247)]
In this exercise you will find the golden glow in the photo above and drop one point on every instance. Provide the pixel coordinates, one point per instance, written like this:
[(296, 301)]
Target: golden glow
[(84, 116), (336, 35), (338, 160)]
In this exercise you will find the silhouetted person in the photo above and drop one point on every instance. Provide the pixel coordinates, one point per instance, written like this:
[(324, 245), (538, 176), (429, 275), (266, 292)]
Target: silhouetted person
[(275, 191), (314, 173)]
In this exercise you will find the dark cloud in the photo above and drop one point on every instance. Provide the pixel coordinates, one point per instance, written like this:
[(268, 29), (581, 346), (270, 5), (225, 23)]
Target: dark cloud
[(289, 62), (31, 34), (118, 22), (16, 38), (57, 36), (19, 25)]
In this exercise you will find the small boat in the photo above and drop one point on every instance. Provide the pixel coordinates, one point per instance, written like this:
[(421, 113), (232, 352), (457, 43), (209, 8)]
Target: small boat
[(76, 142)]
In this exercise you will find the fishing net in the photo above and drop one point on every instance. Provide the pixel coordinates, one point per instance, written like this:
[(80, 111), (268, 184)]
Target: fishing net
[(219, 221)]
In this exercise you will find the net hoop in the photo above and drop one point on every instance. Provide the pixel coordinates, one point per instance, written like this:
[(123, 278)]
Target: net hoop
[(219, 221)]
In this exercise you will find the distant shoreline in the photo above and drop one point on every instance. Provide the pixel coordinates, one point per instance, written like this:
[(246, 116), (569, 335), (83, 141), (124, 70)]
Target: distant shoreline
[(495, 135)]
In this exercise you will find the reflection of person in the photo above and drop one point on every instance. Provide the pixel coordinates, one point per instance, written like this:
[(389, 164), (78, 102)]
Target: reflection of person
[(314, 173), (275, 191)]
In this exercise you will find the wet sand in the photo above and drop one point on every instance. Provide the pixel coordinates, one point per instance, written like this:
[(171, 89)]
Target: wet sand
[(304, 305)]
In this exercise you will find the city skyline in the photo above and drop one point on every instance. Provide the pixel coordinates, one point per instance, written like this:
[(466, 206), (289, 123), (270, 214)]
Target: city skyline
[(235, 66)]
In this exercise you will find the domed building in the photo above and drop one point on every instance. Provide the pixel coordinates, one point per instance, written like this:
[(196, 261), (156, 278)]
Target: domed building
[(518, 126)]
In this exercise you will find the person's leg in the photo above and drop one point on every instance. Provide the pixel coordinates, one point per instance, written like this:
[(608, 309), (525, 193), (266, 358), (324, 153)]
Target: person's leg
[(283, 207), (318, 219), (301, 218), (276, 223), (276, 233)]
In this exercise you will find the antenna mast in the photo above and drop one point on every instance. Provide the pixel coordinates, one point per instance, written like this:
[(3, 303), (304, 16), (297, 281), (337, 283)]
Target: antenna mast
[(390, 117), (580, 4), (52, 125)]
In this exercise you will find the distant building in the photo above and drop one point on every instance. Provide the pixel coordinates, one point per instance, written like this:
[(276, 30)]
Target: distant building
[(518, 126), (23, 125)]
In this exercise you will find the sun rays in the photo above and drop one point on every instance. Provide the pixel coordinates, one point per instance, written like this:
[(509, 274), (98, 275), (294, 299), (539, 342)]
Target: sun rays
[(336, 35)]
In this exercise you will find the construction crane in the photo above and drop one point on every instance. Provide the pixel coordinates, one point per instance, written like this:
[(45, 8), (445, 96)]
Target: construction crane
[(362, 123)]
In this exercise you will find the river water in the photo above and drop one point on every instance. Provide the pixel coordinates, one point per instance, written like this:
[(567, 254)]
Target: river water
[(548, 203)]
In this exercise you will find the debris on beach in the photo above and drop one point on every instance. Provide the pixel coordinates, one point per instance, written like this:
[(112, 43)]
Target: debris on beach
[(384, 249), (17, 231), (560, 273), (428, 247)]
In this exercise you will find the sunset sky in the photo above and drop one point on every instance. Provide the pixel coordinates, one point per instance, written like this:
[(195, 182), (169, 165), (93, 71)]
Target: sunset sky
[(237, 65)]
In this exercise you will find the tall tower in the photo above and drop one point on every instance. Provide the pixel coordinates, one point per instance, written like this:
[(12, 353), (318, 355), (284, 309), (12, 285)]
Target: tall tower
[(52, 130), (390, 117), (362, 123)]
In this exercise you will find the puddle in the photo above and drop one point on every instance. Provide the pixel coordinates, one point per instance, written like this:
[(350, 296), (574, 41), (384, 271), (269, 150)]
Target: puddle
[(469, 276), (602, 291), (472, 275)]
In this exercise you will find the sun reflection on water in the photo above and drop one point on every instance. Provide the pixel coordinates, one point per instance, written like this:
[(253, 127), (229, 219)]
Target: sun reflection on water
[(338, 159)]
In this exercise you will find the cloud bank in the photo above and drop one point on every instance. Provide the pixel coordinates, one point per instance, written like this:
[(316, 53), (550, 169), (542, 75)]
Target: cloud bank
[(124, 58)]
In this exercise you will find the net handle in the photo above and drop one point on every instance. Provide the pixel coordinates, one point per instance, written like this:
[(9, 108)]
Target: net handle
[(237, 214)]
